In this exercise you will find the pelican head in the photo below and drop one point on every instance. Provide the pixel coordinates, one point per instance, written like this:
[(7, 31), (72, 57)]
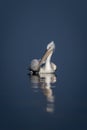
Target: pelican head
[(51, 46)]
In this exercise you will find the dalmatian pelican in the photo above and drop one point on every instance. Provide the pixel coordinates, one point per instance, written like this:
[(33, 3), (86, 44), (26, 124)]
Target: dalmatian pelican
[(44, 65)]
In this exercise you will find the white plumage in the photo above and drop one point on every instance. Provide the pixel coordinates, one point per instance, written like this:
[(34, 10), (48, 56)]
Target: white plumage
[(44, 65), (34, 64)]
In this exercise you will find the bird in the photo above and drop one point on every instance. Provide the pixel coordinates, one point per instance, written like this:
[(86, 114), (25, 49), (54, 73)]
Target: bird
[(44, 65)]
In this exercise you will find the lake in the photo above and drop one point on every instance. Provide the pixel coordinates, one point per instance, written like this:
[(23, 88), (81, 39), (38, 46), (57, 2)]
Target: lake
[(47, 101)]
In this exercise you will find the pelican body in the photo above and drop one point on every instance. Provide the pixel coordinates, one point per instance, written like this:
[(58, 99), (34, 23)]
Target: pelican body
[(44, 65)]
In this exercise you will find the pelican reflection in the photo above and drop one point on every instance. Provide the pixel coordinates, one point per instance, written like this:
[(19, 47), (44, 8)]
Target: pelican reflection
[(45, 82)]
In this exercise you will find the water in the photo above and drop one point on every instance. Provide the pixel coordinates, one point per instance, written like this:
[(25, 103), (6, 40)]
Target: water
[(43, 102), (47, 101)]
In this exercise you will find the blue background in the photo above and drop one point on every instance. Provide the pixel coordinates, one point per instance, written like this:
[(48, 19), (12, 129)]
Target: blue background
[(27, 26)]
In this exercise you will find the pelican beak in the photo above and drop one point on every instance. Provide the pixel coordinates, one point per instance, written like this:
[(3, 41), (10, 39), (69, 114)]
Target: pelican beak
[(49, 50), (46, 54)]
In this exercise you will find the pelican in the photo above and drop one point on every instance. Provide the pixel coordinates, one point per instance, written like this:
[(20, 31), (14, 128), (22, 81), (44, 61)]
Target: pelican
[(44, 65)]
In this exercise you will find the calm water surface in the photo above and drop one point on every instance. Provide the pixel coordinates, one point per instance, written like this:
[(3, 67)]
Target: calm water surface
[(44, 102), (47, 101)]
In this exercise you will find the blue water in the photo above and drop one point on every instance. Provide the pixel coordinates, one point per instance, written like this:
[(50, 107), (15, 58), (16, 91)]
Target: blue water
[(29, 102)]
